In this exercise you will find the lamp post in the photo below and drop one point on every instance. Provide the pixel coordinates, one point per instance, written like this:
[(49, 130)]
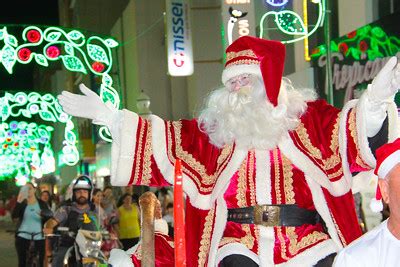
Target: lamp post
[(143, 105)]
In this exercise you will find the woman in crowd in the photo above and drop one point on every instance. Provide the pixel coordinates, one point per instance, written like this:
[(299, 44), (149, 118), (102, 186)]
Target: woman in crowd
[(46, 198), (107, 223), (129, 222), (30, 214), (108, 201), (97, 196)]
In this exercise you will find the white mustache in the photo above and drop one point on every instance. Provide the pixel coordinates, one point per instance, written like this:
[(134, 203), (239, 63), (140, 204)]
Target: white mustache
[(240, 97)]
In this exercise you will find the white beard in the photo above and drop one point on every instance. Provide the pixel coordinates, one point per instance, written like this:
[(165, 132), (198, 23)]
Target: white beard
[(248, 119)]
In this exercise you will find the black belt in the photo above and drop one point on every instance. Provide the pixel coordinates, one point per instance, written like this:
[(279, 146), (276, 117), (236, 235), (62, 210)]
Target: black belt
[(274, 215)]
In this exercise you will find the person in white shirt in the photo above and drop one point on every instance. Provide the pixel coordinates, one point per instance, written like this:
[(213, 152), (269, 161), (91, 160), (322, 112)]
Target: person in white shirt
[(381, 246)]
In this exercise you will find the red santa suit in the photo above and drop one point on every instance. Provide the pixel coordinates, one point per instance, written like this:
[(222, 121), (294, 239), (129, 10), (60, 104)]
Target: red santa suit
[(310, 167)]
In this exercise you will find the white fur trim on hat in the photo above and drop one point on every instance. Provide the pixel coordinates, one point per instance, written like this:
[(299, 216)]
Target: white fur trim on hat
[(236, 70), (388, 163)]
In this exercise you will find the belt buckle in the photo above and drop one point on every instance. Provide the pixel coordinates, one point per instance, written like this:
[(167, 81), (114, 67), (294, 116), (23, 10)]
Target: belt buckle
[(267, 215)]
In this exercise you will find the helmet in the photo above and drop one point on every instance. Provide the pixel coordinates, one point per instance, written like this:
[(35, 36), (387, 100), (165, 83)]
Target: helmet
[(82, 182)]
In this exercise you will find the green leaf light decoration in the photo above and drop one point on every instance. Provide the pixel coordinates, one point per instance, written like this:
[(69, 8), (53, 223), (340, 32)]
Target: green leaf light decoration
[(76, 52), (73, 63), (291, 24), (368, 42), (25, 147)]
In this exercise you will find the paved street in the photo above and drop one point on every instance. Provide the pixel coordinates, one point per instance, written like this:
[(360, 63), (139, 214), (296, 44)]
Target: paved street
[(8, 255)]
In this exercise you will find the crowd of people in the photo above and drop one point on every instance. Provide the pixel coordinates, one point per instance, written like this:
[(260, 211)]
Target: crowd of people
[(37, 214)]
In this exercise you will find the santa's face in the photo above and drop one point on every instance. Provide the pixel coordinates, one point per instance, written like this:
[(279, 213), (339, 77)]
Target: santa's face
[(240, 113), (238, 82)]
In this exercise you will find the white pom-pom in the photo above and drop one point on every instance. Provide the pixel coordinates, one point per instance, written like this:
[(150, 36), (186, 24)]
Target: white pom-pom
[(376, 205)]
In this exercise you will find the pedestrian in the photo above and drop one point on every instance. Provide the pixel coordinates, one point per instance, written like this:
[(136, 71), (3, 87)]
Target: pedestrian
[(30, 214), (381, 245), (129, 222)]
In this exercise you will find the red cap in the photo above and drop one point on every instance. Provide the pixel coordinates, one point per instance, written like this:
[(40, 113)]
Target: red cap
[(387, 156), (253, 55)]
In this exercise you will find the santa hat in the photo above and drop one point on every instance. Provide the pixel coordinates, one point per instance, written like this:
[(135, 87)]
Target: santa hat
[(257, 56), (387, 156)]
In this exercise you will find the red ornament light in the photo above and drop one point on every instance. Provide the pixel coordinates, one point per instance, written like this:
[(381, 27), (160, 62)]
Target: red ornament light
[(98, 66), (315, 50), (343, 47), (363, 46), (5, 146), (53, 51), (33, 36), (24, 54), (8, 139), (352, 34), (16, 144)]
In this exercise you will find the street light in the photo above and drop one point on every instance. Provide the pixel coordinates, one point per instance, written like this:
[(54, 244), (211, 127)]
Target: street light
[(143, 105)]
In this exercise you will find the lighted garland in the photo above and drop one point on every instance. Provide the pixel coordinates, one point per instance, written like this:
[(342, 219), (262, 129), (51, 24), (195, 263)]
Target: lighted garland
[(25, 150), (291, 23), (365, 43), (77, 54), (48, 109)]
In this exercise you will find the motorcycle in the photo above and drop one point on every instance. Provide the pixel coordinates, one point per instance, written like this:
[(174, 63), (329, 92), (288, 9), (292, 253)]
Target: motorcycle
[(86, 250)]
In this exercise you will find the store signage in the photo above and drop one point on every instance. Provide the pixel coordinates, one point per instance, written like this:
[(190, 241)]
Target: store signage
[(179, 38), (238, 20), (357, 58)]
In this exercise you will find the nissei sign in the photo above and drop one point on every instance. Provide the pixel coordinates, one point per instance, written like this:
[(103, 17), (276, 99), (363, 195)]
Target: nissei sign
[(179, 38)]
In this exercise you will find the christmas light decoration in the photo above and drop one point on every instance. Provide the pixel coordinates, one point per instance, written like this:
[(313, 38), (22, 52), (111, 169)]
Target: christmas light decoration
[(368, 42), (276, 3), (48, 109), (25, 150), (290, 23), (71, 47)]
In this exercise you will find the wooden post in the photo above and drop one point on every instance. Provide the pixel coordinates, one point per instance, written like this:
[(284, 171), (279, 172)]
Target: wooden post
[(147, 202)]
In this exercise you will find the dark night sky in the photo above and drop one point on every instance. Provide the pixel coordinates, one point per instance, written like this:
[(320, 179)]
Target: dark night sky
[(40, 12)]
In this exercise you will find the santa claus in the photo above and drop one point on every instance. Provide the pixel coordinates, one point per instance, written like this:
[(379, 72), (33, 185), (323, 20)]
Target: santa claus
[(267, 168)]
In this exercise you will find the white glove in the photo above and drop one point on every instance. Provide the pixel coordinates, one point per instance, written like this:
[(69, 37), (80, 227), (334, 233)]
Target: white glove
[(89, 105), (380, 94), (386, 83)]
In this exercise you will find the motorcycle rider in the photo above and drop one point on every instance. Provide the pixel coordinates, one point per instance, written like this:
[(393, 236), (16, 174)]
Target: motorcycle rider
[(78, 214)]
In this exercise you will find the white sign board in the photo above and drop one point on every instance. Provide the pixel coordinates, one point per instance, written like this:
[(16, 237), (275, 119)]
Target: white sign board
[(179, 38)]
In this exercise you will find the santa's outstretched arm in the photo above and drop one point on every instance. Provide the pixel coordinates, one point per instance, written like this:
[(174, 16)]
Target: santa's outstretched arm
[(144, 151), (376, 101), (89, 105)]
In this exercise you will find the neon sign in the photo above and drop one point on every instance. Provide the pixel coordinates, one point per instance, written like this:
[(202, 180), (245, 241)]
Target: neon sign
[(276, 2)]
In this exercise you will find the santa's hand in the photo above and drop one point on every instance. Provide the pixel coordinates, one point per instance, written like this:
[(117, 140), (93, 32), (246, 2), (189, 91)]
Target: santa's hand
[(386, 84), (89, 105)]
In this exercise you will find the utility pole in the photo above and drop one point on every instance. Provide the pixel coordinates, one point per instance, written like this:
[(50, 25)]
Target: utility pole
[(327, 34)]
